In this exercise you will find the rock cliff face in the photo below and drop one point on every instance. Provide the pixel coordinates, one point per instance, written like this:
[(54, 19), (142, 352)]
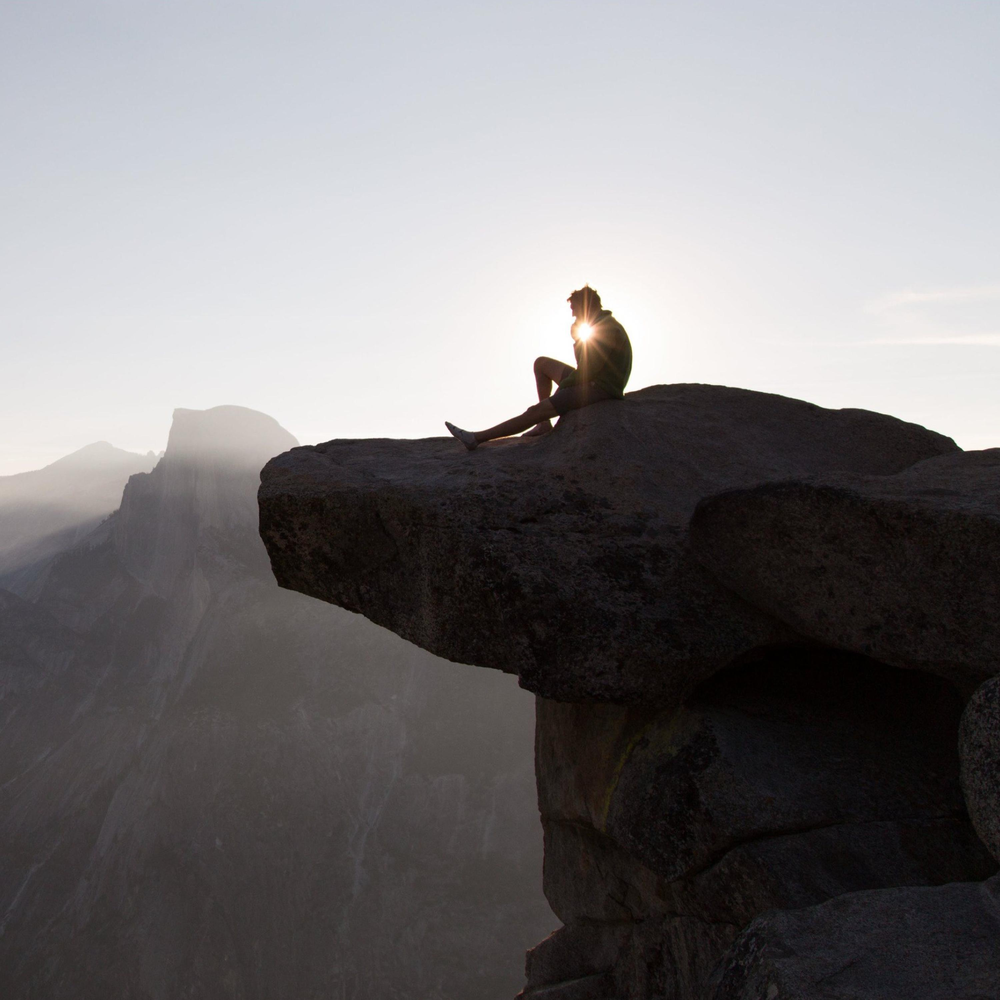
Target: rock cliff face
[(213, 788), (735, 611)]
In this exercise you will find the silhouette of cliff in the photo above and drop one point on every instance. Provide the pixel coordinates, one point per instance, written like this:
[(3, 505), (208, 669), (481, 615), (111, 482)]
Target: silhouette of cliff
[(752, 624)]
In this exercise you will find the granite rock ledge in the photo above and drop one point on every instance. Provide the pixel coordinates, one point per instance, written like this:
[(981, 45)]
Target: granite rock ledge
[(904, 568), (735, 753), (564, 559)]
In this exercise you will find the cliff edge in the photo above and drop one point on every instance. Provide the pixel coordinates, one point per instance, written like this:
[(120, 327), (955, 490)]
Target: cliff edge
[(563, 559), (753, 625)]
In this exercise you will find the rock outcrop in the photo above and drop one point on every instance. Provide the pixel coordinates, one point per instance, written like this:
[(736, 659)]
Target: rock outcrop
[(904, 568), (731, 754), (780, 783), (563, 559)]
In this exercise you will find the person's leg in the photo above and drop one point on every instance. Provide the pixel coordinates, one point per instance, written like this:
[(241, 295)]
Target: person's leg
[(566, 399), (547, 371), (542, 412)]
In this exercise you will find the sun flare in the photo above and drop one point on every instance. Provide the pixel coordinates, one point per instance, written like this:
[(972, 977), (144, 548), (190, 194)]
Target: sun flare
[(584, 330)]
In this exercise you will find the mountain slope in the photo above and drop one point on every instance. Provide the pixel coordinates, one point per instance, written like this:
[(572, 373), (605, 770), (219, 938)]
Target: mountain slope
[(229, 790), (47, 510)]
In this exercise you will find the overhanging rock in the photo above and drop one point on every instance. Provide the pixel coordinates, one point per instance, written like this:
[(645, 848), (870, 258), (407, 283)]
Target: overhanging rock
[(564, 559), (903, 568)]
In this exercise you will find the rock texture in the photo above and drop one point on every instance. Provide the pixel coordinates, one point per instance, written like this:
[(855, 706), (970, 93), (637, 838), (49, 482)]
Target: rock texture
[(795, 743), (904, 568), (935, 944), (781, 783), (748, 723), (564, 559), (211, 788), (980, 752)]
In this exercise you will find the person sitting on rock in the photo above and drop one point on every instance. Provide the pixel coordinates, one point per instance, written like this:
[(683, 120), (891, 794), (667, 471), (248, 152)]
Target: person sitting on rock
[(604, 363)]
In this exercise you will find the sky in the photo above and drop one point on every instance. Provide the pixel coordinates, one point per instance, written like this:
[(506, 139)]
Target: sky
[(364, 218)]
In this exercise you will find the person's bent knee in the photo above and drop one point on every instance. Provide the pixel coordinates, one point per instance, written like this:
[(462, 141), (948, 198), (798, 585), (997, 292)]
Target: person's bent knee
[(542, 410)]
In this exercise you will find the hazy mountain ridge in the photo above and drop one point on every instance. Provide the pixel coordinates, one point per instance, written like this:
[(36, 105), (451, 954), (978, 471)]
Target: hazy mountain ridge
[(212, 787), (48, 510)]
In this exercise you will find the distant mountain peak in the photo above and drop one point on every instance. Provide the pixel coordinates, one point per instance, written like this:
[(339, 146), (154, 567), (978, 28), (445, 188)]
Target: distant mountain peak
[(234, 431), (96, 455), (47, 510), (97, 448)]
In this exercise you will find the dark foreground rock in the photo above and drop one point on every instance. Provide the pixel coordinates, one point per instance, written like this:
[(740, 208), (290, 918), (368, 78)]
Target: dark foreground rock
[(928, 943), (904, 568), (564, 559), (979, 747), (799, 741), (729, 754), (780, 784)]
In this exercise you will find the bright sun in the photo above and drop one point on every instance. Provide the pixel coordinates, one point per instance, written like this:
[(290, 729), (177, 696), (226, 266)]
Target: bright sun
[(584, 330)]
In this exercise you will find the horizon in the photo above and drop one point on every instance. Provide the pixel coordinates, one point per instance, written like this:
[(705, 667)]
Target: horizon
[(363, 222), (158, 454)]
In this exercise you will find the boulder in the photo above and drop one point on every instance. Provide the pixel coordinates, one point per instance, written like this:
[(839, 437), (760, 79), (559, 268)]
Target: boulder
[(936, 943), (904, 568), (979, 750), (564, 559)]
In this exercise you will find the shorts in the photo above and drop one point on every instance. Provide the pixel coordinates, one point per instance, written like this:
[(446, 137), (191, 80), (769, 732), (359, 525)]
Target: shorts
[(573, 397)]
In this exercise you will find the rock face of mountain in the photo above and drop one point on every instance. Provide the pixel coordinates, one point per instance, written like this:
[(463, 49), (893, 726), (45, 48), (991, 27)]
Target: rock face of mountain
[(210, 787), (51, 509), (726, 774)]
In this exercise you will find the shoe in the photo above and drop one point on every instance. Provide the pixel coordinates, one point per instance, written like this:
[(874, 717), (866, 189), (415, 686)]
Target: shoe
[(466, 437)]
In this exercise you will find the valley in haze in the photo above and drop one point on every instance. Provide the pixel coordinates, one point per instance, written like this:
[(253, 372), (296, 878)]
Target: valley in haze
[(211, 787)]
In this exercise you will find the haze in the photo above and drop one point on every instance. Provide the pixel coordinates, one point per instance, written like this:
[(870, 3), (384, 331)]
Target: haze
[(364, 219)]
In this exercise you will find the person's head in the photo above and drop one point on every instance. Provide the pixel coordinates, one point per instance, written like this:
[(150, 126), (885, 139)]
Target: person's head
[(584, 303)]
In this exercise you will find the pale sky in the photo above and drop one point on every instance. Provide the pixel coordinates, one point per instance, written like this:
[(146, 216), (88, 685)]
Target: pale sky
[(365, 218)]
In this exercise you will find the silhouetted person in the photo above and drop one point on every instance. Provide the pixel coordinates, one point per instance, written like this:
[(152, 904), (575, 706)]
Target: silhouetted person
[(603, 364)]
